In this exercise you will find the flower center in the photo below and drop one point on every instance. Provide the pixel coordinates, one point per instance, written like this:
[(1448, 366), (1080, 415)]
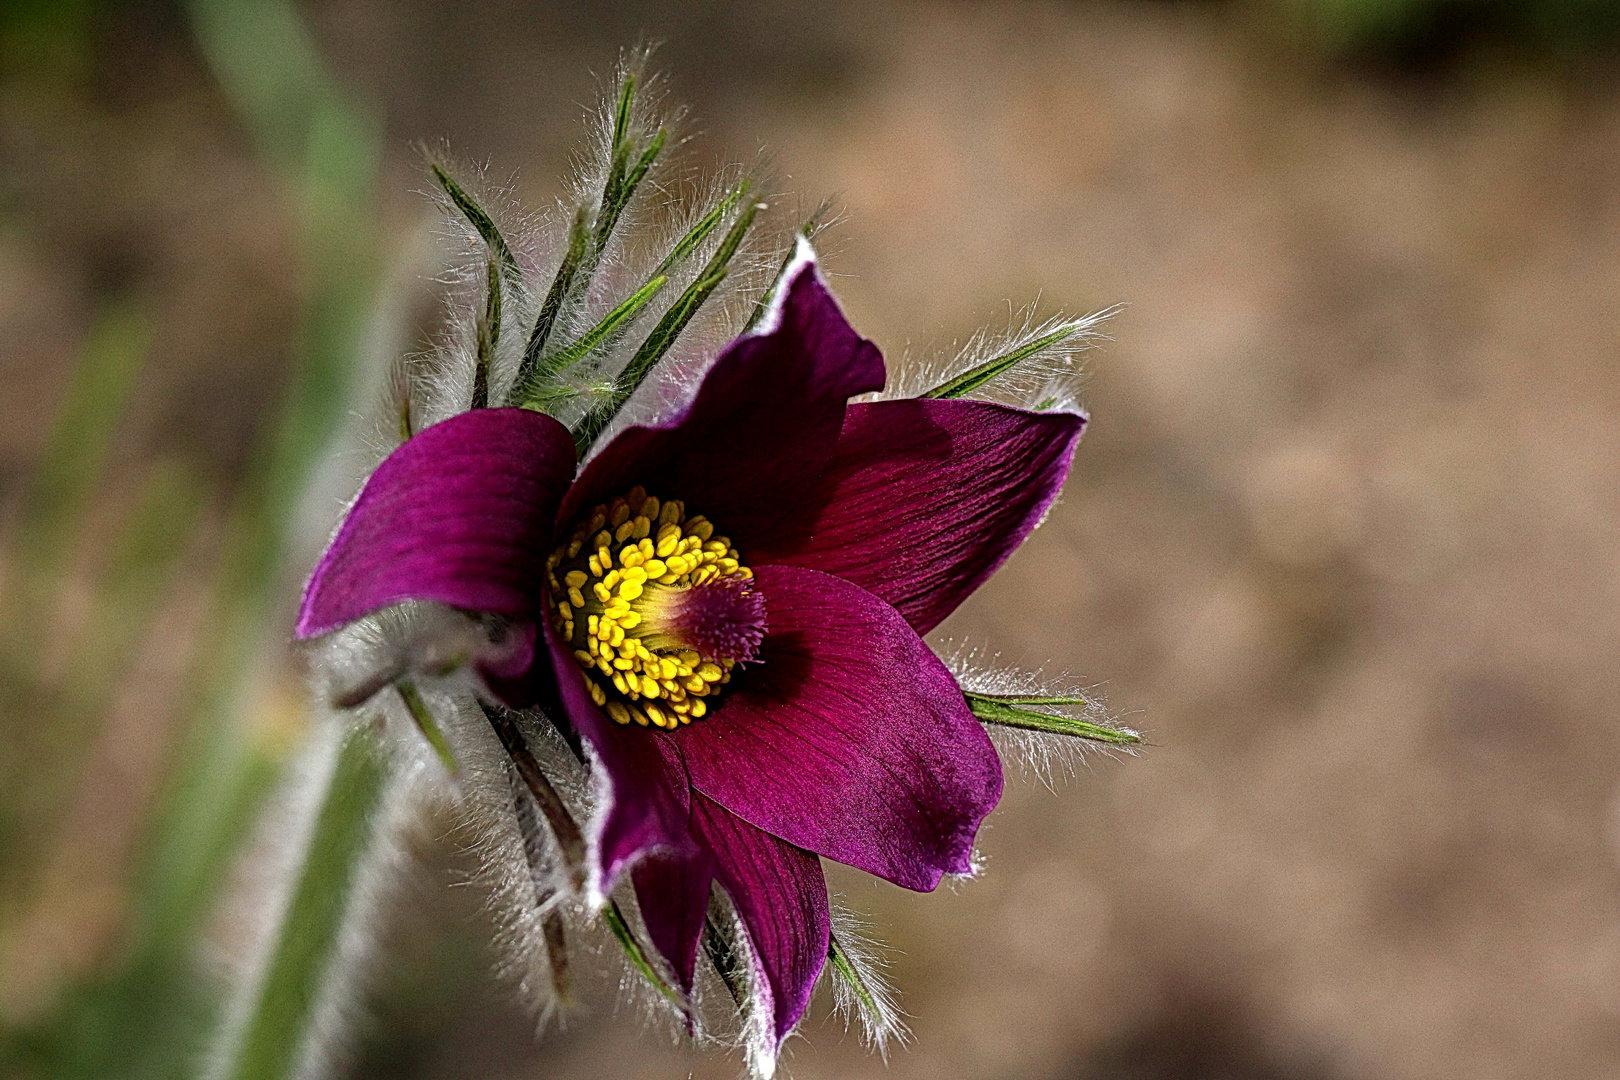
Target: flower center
[(657, 609)]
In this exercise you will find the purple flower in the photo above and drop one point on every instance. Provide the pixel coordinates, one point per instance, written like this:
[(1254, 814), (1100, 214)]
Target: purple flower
[(727, 607)]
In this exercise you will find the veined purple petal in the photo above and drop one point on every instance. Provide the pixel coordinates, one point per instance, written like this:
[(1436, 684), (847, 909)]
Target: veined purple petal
[(646, 805), (848, 737), (924, 499), (462, 514), (761, 428), (780, 893), (674, 897)]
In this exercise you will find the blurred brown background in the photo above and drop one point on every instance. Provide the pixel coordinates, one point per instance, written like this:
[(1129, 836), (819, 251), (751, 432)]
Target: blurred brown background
[(1342, 539)]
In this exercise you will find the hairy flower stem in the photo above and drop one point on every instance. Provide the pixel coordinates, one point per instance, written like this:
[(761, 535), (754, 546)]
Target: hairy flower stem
[(423, 716), (570, 840), (551, 923), (845, 967), (1005, 710), (280, 1004)]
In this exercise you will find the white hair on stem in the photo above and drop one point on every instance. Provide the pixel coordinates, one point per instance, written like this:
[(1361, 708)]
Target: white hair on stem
[(339, 1010), (521, 867)]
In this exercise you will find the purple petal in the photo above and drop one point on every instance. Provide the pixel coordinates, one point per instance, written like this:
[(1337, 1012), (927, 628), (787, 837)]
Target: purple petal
[(761, 428), (848, 737), (645, 808), (674, 897), (924, 499), (782, 897), (462, 514)]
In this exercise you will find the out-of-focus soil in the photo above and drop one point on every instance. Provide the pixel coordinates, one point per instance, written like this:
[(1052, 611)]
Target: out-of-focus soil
[(1343, 540)]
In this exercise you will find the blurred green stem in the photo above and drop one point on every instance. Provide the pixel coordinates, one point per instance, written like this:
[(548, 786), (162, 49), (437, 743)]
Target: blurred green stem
[(282, 1004)]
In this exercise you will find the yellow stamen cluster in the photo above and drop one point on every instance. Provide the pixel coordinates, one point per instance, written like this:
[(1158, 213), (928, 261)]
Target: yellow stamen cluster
[(608, 583)]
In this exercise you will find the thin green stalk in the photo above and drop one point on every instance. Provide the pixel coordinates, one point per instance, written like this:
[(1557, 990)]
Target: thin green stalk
[(587, 240), (283, 1005), (705, 225), (423, 717), (994, 711), (844, 966), (971, 380), (636, 955)]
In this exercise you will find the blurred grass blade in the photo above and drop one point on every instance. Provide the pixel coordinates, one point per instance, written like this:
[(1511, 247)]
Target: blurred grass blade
[(276, 1023), (994, 711), (81, 438)]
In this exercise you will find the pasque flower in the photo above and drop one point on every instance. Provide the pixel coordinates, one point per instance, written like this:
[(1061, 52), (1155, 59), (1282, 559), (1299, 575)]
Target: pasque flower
[(724, 608)]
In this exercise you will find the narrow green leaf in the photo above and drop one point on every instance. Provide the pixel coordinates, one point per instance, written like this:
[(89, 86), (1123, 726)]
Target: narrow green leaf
[(489, 336), (479, 220), (1070, 700), (669, 328), (280, 1012), (551, 366), (423, 716), (621, 115), (810, 227), (844, 966), (992, 710), (971, 380), (705, 225), (579, 234), (637, 957)]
